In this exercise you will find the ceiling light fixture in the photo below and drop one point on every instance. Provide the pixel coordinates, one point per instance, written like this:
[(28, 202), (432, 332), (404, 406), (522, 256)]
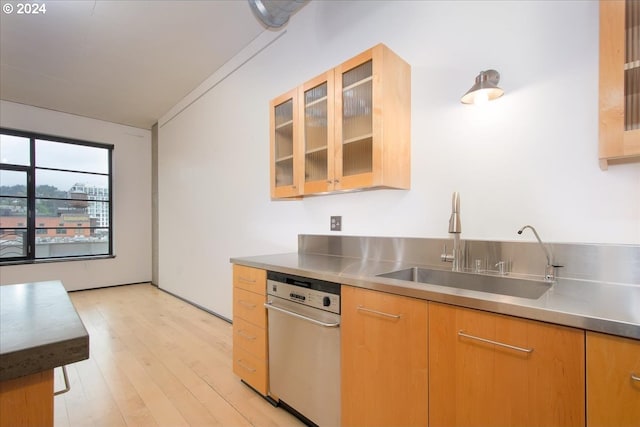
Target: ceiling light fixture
[(275, 13), (485, 88)]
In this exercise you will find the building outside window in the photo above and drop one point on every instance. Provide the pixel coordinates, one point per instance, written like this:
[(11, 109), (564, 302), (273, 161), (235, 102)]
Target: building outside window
[(55, 198)]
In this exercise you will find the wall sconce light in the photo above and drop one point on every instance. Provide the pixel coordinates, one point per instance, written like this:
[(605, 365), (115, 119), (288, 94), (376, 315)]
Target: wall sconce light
[(485, 89)]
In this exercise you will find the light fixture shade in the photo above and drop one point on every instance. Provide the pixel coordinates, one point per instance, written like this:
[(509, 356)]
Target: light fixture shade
[(485, 88), (275, 13)]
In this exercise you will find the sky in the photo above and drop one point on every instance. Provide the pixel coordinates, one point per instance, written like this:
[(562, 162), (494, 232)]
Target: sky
[(14, 150)]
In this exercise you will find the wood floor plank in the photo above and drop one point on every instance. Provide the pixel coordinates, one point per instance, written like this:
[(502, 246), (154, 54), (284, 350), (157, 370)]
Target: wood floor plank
[(92, 400), (172, 348), (157, 361)]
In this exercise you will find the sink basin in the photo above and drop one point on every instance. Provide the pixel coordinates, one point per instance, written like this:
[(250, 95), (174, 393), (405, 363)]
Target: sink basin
[(522, 288)]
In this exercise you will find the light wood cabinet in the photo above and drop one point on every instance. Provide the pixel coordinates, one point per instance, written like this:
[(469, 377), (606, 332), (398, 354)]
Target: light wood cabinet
[(317, 139), (250, 348), (27, 401), (492, 370), (285, 148), (349, 128), (619, 133), (613, 381), (384, 359)]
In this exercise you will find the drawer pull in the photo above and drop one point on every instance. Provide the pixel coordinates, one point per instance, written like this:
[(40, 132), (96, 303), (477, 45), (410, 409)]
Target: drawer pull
[(461, 333), (245, 280), (246, 303), (635, 377), (244, 335), (245, 367), (379, 313)]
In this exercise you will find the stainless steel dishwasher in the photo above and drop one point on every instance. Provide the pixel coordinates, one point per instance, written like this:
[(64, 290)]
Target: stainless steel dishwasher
[(304, 346)]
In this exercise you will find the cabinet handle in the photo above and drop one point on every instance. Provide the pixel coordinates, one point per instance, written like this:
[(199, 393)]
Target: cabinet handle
[(245, 280), (246, 304), (635, 377), (245, 335), (242, 365), (461, 333), (379, 313)]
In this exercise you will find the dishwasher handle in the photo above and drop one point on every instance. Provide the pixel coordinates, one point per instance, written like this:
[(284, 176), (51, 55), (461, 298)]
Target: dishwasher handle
[(269, 306)]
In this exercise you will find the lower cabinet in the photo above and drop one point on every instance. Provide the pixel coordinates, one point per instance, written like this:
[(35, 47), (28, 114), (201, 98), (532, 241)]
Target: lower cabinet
[(250, 355), (613, 381), (409, 362), (384, 359), (27, 401), (492, 370)]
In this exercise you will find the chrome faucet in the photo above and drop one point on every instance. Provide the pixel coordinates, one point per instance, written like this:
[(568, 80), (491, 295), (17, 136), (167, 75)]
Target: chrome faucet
[(455, 228), (549, 271)]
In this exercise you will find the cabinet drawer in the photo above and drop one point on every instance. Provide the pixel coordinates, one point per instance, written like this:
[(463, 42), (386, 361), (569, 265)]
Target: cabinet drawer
[(250, 307), (250, 279), (250, 337), (251, 369)]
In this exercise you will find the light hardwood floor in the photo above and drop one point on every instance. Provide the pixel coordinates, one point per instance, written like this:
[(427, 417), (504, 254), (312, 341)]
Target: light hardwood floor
[(156, 360)]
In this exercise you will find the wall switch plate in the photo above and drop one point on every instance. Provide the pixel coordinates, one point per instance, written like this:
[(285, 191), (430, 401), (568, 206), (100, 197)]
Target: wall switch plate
[(336, 223)]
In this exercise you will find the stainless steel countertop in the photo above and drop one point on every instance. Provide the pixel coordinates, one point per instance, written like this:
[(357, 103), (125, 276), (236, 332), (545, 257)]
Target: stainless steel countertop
[(593, 305), (39, 329)]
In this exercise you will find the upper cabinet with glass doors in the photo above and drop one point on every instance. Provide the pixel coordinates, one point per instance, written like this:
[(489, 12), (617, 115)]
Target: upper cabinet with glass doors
[(285, 168), (619, 81), (318, 133), (353, 127)]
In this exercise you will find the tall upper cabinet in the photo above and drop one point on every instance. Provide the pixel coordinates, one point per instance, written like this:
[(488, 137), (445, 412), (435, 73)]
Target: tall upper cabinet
[(619, 81), (285, 168), (350, 128)]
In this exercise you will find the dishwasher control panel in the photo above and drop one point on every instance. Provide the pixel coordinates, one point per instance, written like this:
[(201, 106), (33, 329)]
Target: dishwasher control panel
[(310, 292)]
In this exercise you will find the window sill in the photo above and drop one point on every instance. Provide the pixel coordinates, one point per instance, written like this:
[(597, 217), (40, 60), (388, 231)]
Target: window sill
[(50, 260)]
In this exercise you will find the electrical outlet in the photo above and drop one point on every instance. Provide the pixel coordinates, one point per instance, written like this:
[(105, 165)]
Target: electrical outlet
[(336, 223)]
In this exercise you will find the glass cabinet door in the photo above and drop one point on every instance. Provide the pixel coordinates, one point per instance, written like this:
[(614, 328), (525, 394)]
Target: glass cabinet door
[(619, 85), (346, 129), (318, 134), (357, 120), (284, 135), (632, 66)]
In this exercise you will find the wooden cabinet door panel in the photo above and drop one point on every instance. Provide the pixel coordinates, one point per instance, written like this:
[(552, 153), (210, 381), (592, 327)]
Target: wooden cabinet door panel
[(476, 383), (27, 401), (613, 396), (384, 359)]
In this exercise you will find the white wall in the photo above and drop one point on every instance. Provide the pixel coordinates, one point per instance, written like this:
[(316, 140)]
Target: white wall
[(528, 158), (131, 200)]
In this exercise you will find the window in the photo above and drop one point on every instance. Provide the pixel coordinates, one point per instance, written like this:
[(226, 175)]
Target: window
[(55, 198)]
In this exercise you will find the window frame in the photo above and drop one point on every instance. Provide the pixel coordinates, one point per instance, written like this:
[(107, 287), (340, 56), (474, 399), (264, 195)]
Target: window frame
[(31, 197)]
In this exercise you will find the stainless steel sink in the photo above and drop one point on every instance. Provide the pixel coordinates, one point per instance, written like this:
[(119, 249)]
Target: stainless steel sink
[(522, 288)]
